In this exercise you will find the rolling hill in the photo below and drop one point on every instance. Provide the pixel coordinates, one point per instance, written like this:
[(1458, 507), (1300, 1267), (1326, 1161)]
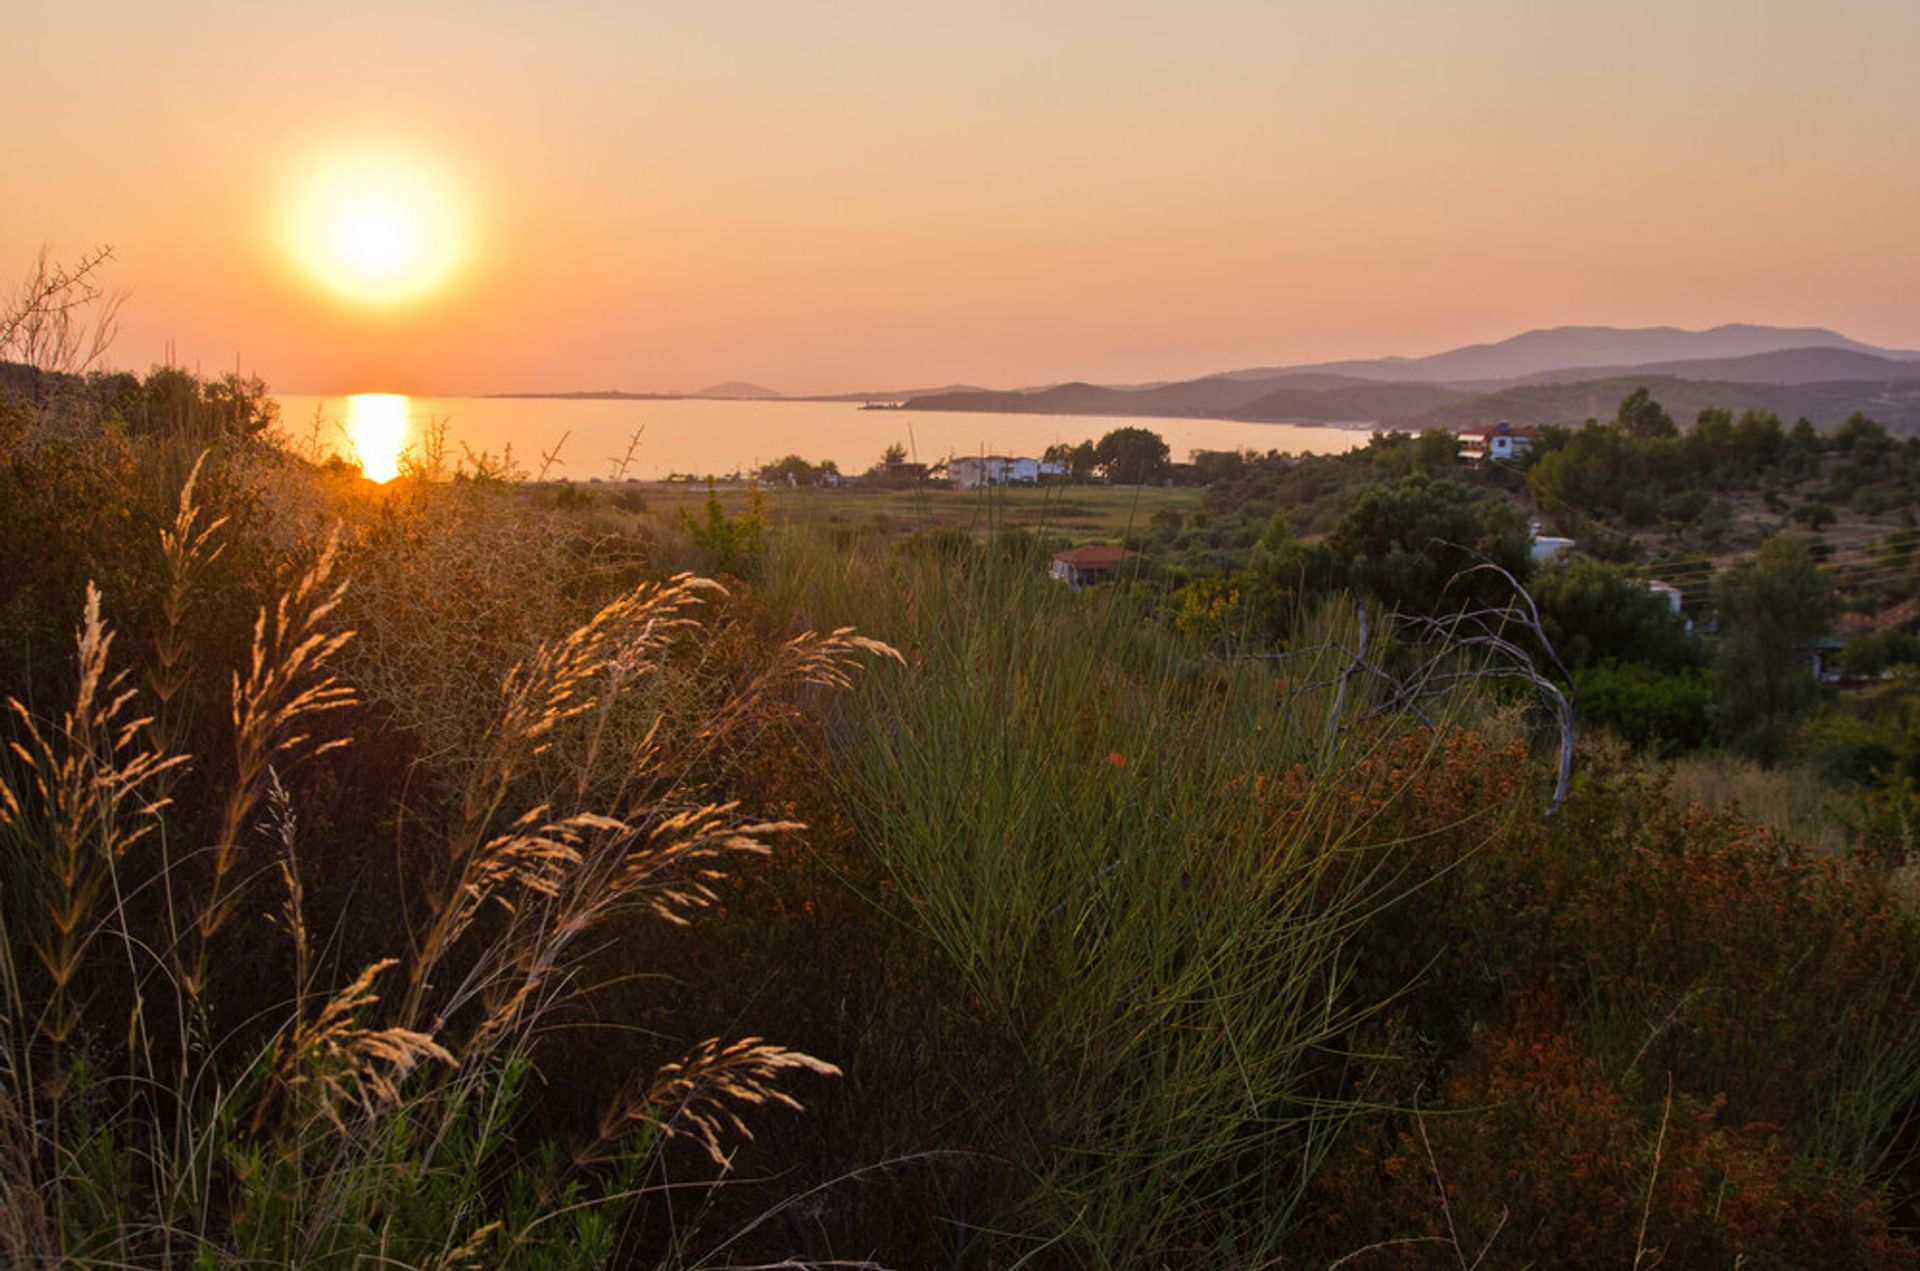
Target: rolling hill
[(1562, 375)]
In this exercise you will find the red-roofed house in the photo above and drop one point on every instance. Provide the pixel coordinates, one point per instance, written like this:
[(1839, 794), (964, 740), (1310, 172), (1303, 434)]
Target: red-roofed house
[(1502, 443), (1082, 565)]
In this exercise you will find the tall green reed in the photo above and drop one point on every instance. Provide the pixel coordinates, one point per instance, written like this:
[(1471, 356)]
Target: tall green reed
[(1145, 866)]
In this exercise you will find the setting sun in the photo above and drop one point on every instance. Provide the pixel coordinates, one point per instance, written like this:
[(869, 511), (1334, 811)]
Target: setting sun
[(377, 430), (376, 229)]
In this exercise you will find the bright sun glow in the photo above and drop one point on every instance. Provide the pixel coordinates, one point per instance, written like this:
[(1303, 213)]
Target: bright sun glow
[(376, 229), (377, 429)]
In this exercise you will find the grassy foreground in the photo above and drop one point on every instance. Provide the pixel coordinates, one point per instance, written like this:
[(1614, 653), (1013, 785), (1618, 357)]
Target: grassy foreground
[(449, 874)]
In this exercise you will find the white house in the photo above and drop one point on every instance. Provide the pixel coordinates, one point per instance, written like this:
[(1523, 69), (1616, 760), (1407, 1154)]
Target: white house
[(1502, 442), (978, 470)]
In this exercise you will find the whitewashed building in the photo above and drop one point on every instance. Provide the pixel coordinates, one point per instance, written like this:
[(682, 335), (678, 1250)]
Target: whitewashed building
[(1502, 443), (978, 470)]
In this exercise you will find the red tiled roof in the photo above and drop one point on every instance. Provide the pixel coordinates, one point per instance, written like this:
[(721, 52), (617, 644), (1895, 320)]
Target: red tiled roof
[(1094, 556)]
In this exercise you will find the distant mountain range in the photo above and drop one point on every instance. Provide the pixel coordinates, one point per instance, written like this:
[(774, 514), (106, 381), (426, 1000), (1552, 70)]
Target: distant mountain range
[(738, 391), (1558, 376), (1561, 375)]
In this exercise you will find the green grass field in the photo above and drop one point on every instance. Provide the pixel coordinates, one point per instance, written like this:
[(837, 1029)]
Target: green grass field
[(1079, 512)]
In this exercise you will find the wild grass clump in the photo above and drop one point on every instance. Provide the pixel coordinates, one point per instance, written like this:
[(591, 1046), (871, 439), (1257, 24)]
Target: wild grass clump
[(1145, 870), (217, 1046)]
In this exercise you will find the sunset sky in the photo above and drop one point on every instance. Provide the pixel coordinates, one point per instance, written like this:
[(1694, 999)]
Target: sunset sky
[(823, 197)]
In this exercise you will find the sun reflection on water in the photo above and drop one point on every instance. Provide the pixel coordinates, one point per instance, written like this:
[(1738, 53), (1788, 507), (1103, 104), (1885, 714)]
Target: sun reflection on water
[(377, 428)]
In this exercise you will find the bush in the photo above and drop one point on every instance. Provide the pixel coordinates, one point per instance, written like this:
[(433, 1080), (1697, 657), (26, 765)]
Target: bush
[(734, 546), (1655, 711)]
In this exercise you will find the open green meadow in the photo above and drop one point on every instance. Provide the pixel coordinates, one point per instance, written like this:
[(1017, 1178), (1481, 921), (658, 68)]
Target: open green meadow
[(1080, 512)]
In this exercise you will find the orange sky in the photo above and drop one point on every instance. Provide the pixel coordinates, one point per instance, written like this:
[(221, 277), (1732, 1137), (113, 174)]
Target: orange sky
[(867, 195)]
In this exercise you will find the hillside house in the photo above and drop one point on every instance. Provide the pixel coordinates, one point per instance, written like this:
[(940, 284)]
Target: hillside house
[(1502, 443), (1080, 566)]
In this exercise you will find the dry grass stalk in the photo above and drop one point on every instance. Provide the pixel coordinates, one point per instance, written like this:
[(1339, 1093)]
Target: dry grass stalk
[(26, 1231), (564, 680), (697, 1096), (670, 866), (91, 794), (557, 684), (334, 1060), (289, 682), (292, 918), (470, 1254), (532, 859), (187, 548), (808, 658), (1642, 1255)]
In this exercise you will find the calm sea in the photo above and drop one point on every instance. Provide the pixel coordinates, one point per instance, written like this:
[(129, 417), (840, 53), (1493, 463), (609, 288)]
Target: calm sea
[(718, 437)]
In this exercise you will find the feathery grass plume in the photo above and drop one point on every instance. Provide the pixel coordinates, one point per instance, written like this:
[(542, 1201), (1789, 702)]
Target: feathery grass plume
[(187, 549), (335, 1060), (470, 1254), (328, 1117), (532, 858), (289, 682), (808, 658), (670, 866), (698, 1096), (557, 683), (564, 680), (86, 794), (292, 918)]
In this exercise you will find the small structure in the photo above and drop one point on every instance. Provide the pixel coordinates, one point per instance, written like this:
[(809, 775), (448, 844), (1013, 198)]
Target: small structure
[(1542, 548), (970, 471), (1825, 654), (1502, 443), (900, 473), (1547, 546), (1079, 566), (1674, 597)]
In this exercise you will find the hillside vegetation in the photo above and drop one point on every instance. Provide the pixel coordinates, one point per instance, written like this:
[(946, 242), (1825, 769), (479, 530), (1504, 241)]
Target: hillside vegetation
[(463, 872)]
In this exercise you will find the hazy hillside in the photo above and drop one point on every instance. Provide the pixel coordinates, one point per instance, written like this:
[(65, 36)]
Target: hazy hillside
[(1535, 353), (1358, 403), (891, 394), (1217, 396), (1895, 404), (1532, 352), (1788, 366), (1562, 375), (739, 390)]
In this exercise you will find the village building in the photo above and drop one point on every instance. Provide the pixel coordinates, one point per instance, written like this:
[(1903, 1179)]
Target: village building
[(1080, 566), (1502, 443), (1825, 657), (900, 473), (972, 471)]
